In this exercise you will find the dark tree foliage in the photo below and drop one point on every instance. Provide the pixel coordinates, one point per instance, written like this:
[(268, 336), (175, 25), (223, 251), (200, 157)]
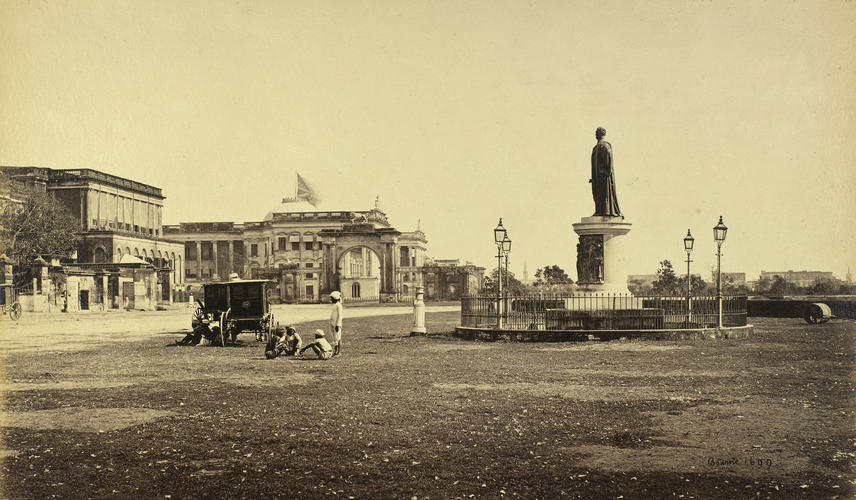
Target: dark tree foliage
[(491, 283), (551, 275), (38, 225), (667, 282)]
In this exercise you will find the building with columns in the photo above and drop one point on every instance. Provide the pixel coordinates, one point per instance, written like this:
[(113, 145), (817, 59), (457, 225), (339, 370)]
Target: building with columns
[(308, 253), (118, 217), (122, 260)]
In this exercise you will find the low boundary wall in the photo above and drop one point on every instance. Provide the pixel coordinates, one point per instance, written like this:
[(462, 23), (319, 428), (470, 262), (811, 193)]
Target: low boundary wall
[(796, 307), (488, 334)]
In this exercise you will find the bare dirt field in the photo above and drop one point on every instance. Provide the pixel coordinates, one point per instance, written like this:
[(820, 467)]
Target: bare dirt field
[(429, 417)]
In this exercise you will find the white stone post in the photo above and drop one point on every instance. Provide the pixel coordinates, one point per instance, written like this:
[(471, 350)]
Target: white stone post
[(418, 327)]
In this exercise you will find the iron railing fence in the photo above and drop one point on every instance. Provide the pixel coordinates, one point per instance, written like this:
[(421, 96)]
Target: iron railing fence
[(599, 312), (357, 300)]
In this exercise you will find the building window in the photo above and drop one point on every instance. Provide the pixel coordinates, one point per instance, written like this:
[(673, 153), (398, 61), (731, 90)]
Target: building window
[(310, 275), (282, 244), (406, 277), (355, 290), (307, 245), (254, 250), (309, 264), (206, 251), (310, 291), (295, 245)]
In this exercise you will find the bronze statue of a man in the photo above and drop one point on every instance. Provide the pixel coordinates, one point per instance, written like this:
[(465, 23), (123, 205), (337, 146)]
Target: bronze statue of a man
[(602, 178)]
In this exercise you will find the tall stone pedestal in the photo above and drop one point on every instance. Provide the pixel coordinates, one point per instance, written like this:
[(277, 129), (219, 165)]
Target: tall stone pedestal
[(601, 255)]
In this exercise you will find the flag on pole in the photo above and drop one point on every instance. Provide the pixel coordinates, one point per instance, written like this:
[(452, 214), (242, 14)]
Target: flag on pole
[(305, 191)]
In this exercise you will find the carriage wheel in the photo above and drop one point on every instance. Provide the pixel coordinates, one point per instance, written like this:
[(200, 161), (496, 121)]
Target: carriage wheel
[(271, 324), (224, 327), (15, 311)]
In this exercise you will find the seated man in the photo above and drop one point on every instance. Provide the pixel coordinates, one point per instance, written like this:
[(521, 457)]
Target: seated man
[(287, 342), (200, 324), (321, 347)]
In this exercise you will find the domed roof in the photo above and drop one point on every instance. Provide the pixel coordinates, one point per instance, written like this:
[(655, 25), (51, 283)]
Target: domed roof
[(288, 205)]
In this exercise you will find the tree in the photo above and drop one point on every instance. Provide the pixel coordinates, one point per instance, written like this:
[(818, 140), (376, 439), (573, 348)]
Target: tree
[(37, 225), (763, 285), (823, 287), (491, 283), (780, 287), (666, 282), (699, 287), (552, 275)]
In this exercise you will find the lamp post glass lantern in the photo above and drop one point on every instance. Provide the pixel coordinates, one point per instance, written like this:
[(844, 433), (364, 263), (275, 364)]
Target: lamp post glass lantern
[(506, 249), (719, 232)]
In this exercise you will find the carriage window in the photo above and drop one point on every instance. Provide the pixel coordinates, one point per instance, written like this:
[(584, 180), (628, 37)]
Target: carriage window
[(253, 292), (238, 293)]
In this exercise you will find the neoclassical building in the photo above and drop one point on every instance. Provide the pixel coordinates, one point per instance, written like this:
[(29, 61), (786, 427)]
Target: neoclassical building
[(308, 253), (118, 217)]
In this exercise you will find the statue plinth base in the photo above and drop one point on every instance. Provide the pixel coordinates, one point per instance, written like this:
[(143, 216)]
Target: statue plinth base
[(601, 255)]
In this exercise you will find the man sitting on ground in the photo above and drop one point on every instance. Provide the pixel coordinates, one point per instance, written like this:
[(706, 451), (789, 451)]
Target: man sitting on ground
[(285, 342), (201, 327), (321, 347)]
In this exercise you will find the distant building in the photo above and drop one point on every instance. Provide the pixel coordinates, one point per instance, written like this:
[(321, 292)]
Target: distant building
[(447, 279), (526, 280), (119, 217), (798, 278), (308, 253), (122, 260), (735, 278), (640, 280)]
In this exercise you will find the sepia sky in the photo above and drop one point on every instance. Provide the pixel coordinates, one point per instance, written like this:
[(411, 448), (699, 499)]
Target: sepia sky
[(458, 113)]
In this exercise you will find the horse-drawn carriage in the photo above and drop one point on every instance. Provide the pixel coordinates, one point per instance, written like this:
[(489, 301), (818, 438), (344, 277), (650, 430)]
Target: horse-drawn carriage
[(236, 306)]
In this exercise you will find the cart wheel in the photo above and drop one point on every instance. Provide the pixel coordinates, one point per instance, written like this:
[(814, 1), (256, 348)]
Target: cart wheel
[(224, 326), (271, 324), (15, 311)]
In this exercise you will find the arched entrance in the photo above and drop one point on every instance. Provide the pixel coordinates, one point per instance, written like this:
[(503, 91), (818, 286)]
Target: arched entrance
[(99, 256), (360, 273)]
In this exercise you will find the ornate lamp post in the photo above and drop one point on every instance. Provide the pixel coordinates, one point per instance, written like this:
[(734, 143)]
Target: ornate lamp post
[(506, 249), (688, 246), (499, 234), (719, 235)]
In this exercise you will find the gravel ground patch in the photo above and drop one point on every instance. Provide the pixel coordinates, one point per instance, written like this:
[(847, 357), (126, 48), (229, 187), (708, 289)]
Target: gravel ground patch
[(435, 417)]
